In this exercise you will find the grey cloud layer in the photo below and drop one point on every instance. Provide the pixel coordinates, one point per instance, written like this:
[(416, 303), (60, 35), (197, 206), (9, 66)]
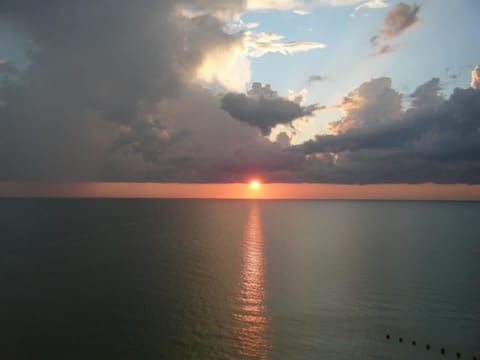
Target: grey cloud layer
[(109, 97), (372, 103), (96, 73), (263, 108), (7, 67), (435, 140), (215, 147)]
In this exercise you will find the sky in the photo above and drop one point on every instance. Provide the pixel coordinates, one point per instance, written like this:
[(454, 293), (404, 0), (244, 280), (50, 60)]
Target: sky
[(287, 91)]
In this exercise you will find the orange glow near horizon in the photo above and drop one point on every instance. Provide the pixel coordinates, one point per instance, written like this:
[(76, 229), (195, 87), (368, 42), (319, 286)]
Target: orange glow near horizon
[(242, 191)]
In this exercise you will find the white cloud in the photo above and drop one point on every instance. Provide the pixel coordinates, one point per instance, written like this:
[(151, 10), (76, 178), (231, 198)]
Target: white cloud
[(299, 97), (228, 67), (372, 4), (236, 26), (294, 129), (372, 103), (258, 44), (301, 12), (285, 5), (475, 84), (272, 4)]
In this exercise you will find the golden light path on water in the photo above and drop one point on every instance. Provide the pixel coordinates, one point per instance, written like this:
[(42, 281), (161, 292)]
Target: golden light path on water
[(251, 311)]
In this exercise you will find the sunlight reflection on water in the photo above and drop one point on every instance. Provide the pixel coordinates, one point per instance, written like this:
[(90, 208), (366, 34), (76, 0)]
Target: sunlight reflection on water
[(251, 309)]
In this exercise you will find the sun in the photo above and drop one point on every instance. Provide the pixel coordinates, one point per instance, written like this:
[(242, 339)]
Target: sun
[(254, 184)]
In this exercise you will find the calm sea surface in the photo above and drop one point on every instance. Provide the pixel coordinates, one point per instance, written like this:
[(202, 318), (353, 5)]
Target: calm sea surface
[(201, 279)]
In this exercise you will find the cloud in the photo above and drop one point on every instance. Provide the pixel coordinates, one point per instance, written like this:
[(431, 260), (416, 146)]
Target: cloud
[(222, 10), (400, 18), (91, 82), (210, 146), (372, 103), (118, 97), (228, 63), (236, 26), (436, 140), (372, 4), (272, 4), (286, 5), (283, 139), (301, 12), (6, 67), (385, 49), (427, 95), (88, 58), (149, 138), (319, 78), (263, 108), (128, 97), (229, 67), (475, 83), (258, 44)]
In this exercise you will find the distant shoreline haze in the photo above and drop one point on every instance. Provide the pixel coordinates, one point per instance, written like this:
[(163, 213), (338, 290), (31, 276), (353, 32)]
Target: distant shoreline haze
[(242, 191)]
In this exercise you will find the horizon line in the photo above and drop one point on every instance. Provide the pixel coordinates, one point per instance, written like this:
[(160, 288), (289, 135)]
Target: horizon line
[(241, 191)]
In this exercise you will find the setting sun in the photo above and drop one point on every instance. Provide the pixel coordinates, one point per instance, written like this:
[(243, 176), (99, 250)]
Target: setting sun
[(254, 185)]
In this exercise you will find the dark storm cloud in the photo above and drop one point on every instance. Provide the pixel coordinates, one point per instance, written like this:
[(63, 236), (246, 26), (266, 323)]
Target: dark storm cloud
[(263, 108), (436, 140), (149, 139), (108, 96), (427, 95), (111, 55), (96, 71), (105, 56), (217, 148)]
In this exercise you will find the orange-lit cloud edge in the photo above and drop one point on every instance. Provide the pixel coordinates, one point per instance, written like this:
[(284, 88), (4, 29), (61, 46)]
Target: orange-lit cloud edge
[(242, 191)]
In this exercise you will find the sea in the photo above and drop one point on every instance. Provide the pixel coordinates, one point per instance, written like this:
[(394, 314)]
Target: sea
[(239, 279)]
